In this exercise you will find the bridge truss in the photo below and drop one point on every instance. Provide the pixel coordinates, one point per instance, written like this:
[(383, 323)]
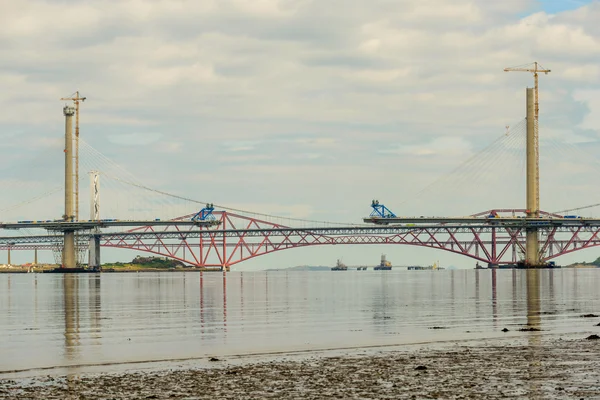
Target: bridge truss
[(239, 238)]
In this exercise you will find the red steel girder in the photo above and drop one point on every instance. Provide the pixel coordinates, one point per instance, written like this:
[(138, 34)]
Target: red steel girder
[(239, 238), (214, 248)]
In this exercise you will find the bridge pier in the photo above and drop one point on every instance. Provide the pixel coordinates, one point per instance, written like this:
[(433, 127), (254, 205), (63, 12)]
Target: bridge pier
[(532, 251), (68, 255), (94, 246), (94, 256), (69, 260)]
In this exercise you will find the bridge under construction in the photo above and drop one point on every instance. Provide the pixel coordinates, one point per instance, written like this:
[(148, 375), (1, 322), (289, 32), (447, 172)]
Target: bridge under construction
[(527, 237)]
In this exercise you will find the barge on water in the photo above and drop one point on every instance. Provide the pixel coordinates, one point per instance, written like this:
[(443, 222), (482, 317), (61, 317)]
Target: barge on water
[(77, 270), (434, 267), (384, 265), (339, 266)]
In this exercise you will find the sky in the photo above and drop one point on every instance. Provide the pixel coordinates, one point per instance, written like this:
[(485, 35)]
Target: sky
[(306, 109), (557, 6)]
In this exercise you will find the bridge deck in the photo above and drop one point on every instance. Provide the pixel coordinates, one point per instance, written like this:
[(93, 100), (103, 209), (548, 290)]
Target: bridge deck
[(83, 225), (505, 221), (480, 226)]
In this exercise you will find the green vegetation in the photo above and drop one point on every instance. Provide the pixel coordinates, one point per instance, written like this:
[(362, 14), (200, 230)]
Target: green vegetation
[(138, 264), (593, 264), (596, 262), (146, 263)]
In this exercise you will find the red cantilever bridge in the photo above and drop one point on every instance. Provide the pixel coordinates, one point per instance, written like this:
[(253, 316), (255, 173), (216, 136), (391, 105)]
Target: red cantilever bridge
[(488, 237)]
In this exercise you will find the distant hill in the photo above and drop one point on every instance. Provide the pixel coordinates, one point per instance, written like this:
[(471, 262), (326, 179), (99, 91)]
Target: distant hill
[(593, 264), (146, 263)]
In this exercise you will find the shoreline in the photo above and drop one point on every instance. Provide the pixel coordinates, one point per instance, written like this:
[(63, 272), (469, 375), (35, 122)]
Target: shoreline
[(108, 270), (536, 366)]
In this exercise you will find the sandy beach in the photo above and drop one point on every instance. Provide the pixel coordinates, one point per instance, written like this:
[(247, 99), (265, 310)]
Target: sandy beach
[(537, 367)]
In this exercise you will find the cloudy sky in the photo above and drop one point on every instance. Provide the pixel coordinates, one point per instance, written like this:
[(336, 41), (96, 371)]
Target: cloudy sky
[(304, 108)]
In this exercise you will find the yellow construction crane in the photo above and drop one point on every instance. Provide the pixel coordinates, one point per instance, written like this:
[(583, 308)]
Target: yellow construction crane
[(534, 68), (76, 99)]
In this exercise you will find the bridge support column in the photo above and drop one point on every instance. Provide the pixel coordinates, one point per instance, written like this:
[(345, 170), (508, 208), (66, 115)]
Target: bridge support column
[(9, 260), (224, 266), (94, 256), (532, 252), (494, 251), (94, 246), (68, 259), (35, 257)]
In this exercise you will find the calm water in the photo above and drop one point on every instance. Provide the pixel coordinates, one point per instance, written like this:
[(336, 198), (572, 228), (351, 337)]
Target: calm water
[(52, 320)]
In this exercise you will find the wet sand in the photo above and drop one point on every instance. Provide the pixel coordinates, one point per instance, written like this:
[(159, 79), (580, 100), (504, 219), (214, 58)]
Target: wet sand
[(534, 367)]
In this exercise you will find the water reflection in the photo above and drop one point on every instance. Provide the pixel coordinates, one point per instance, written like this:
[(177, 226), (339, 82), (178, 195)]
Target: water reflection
[(533, 298), (71, 308), (51, 319), (379, 307), (95, 308), (514, 289), (551, 285), (494, 298), (8, 291), (242, 294), (534, 339), (477, 308), (225, 302)]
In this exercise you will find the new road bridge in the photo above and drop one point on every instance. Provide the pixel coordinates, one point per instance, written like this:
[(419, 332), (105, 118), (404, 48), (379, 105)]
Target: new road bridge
[(397, 223), (108, 223), (231, 238)]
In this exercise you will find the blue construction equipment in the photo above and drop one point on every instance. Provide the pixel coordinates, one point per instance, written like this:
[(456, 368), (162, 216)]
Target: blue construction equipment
[(381, 211), (205, 214)]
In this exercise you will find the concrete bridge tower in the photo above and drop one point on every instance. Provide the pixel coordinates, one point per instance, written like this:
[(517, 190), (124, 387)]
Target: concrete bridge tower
[(532, 245), (94, 246), (68, 253)]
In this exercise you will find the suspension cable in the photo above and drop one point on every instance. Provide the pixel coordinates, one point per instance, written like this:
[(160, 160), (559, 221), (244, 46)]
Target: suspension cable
[(140, 186)]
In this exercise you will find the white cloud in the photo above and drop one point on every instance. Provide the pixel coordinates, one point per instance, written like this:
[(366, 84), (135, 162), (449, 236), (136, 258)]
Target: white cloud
[(52, 142), (135, 139), (583, 73), (591, 98), (317, 142), (170, 147), (448, 146)]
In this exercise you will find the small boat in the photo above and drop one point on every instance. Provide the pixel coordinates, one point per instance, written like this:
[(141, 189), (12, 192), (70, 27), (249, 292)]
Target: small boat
[(339, 266)]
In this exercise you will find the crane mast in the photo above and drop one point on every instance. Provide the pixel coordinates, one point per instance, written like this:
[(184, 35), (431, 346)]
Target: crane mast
[(534, 68), (76, 99)]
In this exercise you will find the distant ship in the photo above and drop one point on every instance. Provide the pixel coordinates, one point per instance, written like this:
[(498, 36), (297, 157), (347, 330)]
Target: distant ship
[(384, 265), (435, 266), (339, 266)]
